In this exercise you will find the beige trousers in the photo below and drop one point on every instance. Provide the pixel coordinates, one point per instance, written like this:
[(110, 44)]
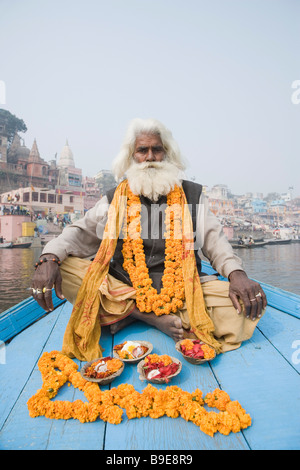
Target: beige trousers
[(117, 300)]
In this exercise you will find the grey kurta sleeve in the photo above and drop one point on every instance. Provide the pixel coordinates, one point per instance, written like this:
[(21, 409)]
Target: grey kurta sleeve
[(83, 237), (212, 241)]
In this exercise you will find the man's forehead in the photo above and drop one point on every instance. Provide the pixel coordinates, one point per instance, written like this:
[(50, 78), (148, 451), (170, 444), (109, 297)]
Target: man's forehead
[(148, 139)]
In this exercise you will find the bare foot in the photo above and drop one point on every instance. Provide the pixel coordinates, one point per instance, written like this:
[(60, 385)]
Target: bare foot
[(168, 324), (115, 327)]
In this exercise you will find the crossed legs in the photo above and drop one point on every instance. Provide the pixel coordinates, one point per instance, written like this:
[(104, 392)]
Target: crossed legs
[(171, 325)]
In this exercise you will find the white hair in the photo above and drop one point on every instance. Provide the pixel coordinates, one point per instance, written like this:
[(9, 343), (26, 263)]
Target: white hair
[(136, 128)]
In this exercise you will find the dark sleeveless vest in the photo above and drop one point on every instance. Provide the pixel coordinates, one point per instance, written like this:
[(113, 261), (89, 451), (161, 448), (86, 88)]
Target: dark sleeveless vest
[(153, 229)]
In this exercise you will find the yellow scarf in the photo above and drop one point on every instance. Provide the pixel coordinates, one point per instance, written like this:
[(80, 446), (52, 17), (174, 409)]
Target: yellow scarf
[(82, 335)]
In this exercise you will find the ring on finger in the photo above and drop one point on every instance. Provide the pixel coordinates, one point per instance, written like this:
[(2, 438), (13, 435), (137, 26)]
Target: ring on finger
[(253, 300), (45, 290), (258, 295)]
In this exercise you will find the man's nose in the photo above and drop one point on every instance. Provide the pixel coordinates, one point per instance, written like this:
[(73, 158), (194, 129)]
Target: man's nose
[(150, 157)]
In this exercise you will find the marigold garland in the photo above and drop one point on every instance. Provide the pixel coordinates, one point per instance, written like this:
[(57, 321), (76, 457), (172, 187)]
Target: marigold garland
[(172, 294), (57, 369)]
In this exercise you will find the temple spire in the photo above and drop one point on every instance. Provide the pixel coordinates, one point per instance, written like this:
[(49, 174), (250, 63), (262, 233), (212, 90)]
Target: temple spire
[(66, 159), (34, 152)]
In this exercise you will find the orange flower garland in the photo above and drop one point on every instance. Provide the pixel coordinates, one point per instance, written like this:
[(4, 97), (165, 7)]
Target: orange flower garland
[(57, 369), (172, 293)]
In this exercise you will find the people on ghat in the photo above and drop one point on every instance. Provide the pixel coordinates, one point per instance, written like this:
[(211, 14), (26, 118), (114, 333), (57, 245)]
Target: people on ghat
[(136, 255)]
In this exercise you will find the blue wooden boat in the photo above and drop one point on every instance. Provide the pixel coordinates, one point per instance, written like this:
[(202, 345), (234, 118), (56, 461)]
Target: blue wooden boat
[(263, 375)]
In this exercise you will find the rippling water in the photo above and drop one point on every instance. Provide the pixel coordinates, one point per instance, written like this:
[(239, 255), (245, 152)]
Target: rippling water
[(276, 265), (16, 271)]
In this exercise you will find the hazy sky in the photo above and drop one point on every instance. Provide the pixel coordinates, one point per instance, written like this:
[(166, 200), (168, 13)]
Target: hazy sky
[(218, 73)]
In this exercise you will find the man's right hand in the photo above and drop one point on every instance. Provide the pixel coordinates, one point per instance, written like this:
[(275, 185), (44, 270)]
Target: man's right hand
[(47, 275)]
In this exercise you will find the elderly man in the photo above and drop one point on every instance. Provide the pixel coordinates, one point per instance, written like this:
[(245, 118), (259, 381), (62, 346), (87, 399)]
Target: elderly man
[(137, 256)]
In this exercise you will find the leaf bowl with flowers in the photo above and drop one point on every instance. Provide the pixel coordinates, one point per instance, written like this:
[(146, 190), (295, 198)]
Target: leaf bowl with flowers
[(132, 351), (158, 369), (102, 370), (195, 351)]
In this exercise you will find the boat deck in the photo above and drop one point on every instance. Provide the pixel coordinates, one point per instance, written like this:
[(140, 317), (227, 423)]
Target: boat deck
[(263, 375)]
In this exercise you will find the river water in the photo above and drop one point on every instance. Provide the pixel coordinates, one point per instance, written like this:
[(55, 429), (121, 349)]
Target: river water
[(276, 265)]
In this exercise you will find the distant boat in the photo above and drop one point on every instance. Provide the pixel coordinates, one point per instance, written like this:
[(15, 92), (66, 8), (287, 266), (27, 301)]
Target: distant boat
[(279, 241), (249, 245), (235, 241), (21, 245), (22, 242), (6, 245)]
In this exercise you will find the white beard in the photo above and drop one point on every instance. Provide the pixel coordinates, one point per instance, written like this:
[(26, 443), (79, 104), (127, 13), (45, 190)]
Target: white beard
[(153, 179)]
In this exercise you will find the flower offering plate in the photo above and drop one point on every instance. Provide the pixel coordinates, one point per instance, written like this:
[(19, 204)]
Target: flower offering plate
[(158, 380), (105, 380), (202, 356), (143, 344)]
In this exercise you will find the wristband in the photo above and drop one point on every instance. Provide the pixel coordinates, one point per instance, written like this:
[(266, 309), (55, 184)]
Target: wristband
[(45, 260)]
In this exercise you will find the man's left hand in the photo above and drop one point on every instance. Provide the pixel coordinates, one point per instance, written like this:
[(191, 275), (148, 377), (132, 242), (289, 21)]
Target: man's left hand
[(249, 292)]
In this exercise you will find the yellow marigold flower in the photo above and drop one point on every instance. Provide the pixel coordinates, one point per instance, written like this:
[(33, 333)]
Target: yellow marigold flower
[(197, 395), (209, 423), (187, 343), (228, 423), (209, 352), (113, 365), (154, 358), (218, 399)]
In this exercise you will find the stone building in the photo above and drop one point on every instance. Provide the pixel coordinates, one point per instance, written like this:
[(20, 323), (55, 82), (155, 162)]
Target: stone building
[(68, 175), (58, 185), (22, 167)]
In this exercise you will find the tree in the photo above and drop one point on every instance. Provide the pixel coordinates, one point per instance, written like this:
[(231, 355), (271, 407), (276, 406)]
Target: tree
[(11, 124)]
